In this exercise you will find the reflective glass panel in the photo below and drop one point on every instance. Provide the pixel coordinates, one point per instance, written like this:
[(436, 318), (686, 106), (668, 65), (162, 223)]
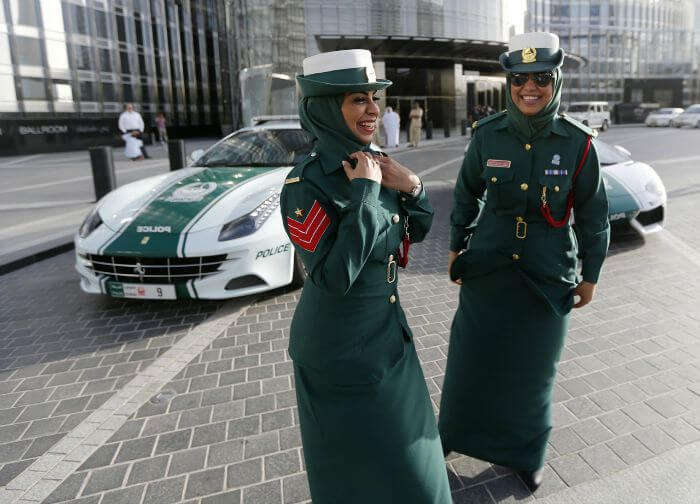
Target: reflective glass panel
[(33, 89), (82, 58), (101, 24), (28, 51), (62, 91), (87, 91), (52, 15), (5, 58), (57, 54), (105, 60), (7, 88), (109, 93), (24, 12)]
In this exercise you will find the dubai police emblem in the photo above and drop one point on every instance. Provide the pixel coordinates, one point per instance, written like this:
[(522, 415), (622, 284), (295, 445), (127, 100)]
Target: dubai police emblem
[(529, 55), (370, 74)]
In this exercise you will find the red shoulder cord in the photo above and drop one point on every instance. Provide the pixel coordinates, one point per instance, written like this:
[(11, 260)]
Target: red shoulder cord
[(546, 212)]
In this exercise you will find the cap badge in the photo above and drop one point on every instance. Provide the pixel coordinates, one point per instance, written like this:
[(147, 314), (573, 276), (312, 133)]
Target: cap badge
[(529, 55)]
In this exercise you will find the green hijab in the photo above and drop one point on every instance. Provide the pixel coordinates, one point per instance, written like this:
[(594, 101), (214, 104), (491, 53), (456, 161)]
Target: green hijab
[(529, 128), (323, 118)]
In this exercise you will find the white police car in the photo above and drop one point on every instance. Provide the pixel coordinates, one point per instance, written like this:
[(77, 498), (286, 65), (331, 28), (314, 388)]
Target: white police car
[(212, 230), (662, 116), (689, 117)]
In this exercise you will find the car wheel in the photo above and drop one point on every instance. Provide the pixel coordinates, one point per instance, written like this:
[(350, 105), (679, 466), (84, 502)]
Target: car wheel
[(300, 274), (604, 126), (585, 123)]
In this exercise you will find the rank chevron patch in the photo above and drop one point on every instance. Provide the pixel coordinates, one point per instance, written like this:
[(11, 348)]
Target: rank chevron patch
[(307, 234)]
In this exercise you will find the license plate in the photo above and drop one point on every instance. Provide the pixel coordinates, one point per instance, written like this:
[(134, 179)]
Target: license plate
[(141, 291)]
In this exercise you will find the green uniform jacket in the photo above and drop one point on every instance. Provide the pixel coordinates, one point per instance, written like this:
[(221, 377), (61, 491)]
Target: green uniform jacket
[(505, 226), (348, 323)]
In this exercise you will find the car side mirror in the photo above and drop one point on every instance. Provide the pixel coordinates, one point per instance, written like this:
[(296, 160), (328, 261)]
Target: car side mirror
[(623, 150), (195, 155)]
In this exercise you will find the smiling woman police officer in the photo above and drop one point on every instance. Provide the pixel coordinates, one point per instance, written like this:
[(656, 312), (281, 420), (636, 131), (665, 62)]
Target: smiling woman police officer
[(517, 262), (367, 425)]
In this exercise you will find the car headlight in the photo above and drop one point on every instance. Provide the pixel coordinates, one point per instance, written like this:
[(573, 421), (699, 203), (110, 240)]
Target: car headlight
[(654, 187), (251, 222), (91, 222)]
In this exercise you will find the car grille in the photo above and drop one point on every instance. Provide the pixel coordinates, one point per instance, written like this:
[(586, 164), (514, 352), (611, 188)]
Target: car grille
[(155, 270), (651, 216)]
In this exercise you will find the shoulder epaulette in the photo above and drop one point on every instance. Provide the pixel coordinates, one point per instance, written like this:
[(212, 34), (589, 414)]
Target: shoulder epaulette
[(488, 119), (588, 131), (296, 174)]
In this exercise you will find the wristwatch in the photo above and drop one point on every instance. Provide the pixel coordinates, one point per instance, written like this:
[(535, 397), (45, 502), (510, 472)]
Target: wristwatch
[(416, 189)]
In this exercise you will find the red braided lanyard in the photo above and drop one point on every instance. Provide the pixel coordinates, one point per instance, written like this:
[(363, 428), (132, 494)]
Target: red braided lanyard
[(546, 212)]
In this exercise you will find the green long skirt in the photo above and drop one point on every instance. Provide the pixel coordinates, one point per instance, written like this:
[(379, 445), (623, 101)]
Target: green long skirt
[(504, 348), (374, 443)]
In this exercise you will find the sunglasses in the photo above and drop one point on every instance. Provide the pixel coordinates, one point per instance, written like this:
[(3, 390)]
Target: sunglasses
[(541, 79)]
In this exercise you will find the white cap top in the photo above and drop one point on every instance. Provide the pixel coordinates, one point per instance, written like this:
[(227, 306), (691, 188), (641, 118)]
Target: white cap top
[(340, 60), (538, 40)]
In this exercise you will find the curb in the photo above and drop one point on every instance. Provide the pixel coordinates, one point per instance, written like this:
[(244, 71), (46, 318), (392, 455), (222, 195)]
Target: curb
[(425, 145), (30, 255)]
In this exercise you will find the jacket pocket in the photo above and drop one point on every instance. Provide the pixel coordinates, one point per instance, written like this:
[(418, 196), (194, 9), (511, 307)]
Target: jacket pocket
[(557, 192), (499, 184)]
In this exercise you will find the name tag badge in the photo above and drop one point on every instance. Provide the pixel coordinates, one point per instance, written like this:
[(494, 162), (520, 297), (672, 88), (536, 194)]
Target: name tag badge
[(498, 163)]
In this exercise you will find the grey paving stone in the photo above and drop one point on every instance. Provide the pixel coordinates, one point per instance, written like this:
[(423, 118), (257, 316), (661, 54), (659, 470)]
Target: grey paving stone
[(12, 432), (197, 416), (572, 469), (209, 434), (67, 490), (102, 457), (276, 420), (262, 444), (151, 409), (551, 483), (282, 464), (135, 449), (592, 431), (12, 470), (243, 427), (186, 401), (603, 459), (618, 422), (232, 377), (165, 491), (643, 414), (681, 431), (67, 391), (148, 470), (9, 452), (161, 423), (225, 453), (260, 372), (129, 430), (566, 441), (203, 382), (474, 495), (264, 493), (217, 396), (72, 421), (36, 411), (205, 482), (41, 444), (187, 461), (173, 441), (296, 489), (228, 411), (44, 427), (472, 471), (508, 489), (630, 449), (666, 406), (32, 397), (130, 495), (256, 405), (655, 439), (104, 479), (246, 390)]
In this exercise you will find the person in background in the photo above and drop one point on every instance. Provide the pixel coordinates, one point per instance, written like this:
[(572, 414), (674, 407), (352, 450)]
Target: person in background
[(131, 121), (415, 125), (392, 125), (162, 127), (132, 147)]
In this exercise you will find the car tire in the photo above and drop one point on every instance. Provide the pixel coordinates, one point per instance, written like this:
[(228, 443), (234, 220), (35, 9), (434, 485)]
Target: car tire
[(585, 123), (604, 126), (300, 274)]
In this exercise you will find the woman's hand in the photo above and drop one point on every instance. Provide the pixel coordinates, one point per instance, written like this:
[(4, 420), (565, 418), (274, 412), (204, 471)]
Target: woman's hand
[(450, 259), (585, 290), (367, 167), (396, 176)]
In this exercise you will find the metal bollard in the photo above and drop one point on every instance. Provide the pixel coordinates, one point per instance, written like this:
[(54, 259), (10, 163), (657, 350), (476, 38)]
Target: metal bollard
[(176, 154), (428, 130), (447, 129), (102, 164), (464, 127)]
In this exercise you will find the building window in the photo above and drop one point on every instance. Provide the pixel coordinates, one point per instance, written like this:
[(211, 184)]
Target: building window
[(52, 16), (105, 60), (87, 91), (57, 54), (142, 64), (33, 89), (5, 58), (62, 91), (101, 24), (28, 51), (78, 18), (124, 58), (109, 92), (121, 29), (7, 89), (24, 13), (127, 93), (82, 58)]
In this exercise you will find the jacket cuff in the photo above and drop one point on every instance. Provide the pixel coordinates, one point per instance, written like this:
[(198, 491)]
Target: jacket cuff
[(364, 191), (591, 269)]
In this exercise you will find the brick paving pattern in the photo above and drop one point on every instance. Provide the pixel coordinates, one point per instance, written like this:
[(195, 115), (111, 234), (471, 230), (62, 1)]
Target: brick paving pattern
[(628, 387)]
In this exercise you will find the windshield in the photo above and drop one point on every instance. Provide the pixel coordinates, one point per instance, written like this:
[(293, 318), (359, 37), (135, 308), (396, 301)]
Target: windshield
[(695, 109), (609, 155), (578, 108), (282, 147), (664, 111)]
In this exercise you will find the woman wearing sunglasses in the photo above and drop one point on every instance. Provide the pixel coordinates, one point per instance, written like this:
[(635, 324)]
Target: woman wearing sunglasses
[(531, 170)]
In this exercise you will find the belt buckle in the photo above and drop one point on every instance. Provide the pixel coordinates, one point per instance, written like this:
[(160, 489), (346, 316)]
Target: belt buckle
[(520, 228), (391, 271)]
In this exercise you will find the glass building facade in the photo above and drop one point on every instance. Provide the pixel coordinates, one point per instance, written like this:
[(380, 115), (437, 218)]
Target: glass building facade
[(637, 50), (68, 66)]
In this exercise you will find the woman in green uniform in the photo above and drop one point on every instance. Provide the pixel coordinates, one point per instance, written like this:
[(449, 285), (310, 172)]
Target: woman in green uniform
[(514, 252), (367, 425)]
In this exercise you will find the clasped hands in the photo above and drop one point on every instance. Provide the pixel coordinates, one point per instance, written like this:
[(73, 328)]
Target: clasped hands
[(383, 170)]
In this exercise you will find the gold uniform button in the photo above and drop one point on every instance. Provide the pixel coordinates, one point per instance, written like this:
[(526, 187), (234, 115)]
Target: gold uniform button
[(516, 257), (494, 179), (528, 146), (395, 218), (523, 186), (556, 188), (392, 299)]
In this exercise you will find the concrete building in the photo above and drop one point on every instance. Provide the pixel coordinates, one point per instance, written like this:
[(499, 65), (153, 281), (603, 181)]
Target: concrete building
[(637, 50)]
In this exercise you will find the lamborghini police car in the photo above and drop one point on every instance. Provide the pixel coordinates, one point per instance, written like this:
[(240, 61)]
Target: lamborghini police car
[(212, 230)]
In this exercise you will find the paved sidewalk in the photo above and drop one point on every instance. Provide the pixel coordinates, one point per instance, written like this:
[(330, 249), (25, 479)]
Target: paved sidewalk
[(225, 428)]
